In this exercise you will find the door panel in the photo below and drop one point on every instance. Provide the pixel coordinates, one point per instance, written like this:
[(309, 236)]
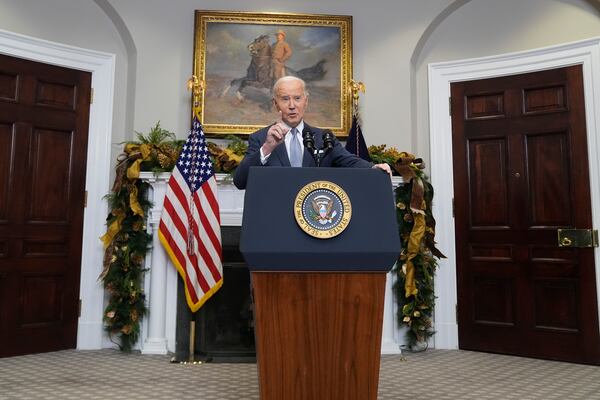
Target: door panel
[(521, 173), (50, 175), (549, 174), (487, 178), (6, 162), (44, 112)]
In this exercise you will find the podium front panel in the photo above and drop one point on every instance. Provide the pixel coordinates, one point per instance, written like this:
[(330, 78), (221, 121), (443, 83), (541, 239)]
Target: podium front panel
[(272, 240)]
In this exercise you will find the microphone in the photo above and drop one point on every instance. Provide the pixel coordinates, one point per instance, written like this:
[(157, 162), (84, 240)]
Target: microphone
[(308, 138), (328, 140)]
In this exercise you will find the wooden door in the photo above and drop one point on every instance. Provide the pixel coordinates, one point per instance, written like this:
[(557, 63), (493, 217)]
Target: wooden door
[(44, 112), (521, 173)]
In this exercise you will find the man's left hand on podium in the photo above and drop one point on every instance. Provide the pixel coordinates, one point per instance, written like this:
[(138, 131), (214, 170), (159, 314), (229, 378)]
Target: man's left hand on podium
[(384, 167)]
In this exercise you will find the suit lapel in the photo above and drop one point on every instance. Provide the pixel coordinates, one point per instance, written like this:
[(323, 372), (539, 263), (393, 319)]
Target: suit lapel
[(308, 160), (281, 153)]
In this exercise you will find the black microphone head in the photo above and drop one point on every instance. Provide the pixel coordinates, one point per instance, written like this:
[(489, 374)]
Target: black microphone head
[(308, 138), (328, 139), (306, 132)]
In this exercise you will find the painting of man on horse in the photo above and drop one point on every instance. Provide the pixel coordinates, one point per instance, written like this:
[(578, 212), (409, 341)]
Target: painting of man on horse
[(265, 69), (266, 56)]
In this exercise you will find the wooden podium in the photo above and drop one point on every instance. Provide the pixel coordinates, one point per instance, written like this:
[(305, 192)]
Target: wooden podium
[(318, 302)]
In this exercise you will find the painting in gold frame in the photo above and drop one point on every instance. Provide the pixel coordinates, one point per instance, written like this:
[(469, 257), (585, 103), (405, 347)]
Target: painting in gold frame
[(233, 57)]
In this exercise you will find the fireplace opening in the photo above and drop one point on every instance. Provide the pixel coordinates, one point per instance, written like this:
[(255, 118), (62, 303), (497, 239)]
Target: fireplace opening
[(224, 324)]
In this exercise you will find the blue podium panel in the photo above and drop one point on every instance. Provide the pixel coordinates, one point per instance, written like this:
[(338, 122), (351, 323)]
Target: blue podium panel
[(272, 239)]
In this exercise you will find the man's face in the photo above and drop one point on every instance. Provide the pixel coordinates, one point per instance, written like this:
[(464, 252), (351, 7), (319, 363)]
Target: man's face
[(291, 102), (280, 37)]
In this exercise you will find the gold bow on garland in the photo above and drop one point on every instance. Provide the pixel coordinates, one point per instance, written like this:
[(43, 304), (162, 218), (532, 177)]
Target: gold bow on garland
[(417, 233), (127, 172)]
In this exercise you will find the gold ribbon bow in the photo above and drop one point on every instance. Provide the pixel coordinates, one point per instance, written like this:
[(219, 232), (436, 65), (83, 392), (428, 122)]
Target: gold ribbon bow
[(407, 166), (139, 153)]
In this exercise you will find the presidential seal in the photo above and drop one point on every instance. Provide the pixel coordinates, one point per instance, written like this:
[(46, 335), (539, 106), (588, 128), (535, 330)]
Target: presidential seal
[(322, 209)]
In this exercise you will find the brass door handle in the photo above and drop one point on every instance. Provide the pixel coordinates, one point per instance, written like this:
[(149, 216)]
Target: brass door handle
[(577, 238), (566, 242)]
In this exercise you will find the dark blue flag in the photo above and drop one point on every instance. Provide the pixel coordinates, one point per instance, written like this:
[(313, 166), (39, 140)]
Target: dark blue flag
[(356, 142)]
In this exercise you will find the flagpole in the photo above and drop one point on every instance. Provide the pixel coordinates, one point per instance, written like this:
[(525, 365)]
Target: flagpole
[(196, 86), (192, 198), (192, 348), (355, 142), (356, 87)]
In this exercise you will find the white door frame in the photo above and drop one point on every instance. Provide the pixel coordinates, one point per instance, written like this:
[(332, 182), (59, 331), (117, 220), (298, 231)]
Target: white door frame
[(102, 67), (441, 75)]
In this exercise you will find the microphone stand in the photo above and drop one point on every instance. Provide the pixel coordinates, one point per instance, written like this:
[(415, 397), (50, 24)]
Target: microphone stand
[(308, 138), (309, 144), (328, 143)]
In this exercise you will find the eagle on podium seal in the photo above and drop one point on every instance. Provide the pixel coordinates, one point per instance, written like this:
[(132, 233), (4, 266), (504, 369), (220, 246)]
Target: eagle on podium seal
[(322, 209)]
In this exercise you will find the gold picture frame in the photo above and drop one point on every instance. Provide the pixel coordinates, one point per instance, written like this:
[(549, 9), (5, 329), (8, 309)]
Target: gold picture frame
[(233, 60)]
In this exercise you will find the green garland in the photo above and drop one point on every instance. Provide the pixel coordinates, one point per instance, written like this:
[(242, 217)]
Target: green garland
[(125, 258), (415, 289), (127, 241)]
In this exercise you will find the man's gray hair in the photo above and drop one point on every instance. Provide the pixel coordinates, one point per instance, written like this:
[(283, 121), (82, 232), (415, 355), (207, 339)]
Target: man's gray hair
[(285, 79)]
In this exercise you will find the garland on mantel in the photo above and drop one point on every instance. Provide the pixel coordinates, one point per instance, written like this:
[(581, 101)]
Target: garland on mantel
[(417, 263)]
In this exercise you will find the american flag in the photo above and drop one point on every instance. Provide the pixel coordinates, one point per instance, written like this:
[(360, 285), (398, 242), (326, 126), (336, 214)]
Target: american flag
[(189, 227)]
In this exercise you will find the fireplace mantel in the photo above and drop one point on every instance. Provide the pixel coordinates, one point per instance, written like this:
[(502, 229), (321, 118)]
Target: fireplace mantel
[(158, 330)]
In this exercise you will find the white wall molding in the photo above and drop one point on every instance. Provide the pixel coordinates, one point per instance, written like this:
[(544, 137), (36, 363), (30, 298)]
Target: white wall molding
[(441, 75), (102, 67)]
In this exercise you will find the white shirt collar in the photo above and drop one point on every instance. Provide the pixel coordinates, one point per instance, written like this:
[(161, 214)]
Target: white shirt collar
[(288, 137), (300, 127)]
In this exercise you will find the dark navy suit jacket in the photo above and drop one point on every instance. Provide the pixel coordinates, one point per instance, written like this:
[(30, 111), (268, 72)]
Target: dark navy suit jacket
[(338, 157)]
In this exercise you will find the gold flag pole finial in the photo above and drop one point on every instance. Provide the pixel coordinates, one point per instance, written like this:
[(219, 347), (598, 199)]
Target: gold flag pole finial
[(196, 86), (356, 87)]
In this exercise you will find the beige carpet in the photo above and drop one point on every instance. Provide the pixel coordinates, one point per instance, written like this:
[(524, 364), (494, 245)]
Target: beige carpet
[(433, 374)]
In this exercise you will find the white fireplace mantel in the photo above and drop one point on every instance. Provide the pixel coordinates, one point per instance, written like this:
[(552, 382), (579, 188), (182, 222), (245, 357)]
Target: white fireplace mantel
[(158, 330)]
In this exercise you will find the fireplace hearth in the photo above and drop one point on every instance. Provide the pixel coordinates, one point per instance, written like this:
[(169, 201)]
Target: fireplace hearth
[(224, 324)]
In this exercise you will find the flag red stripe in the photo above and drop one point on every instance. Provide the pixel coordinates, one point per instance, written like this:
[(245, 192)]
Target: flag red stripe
[(194, 274), (193, 261), (206, 256), (178, 191), (173, 245), (201, 280), (189, 287), (175, 218), (212, 200), (214, 205), (210, 259), (210, 230)]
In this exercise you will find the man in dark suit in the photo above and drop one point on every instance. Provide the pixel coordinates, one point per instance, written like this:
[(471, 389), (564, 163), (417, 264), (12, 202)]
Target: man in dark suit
[(280, 144)]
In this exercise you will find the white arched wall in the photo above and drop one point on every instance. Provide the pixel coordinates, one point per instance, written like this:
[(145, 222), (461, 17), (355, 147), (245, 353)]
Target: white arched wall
[(87, 25), (470, 33)]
